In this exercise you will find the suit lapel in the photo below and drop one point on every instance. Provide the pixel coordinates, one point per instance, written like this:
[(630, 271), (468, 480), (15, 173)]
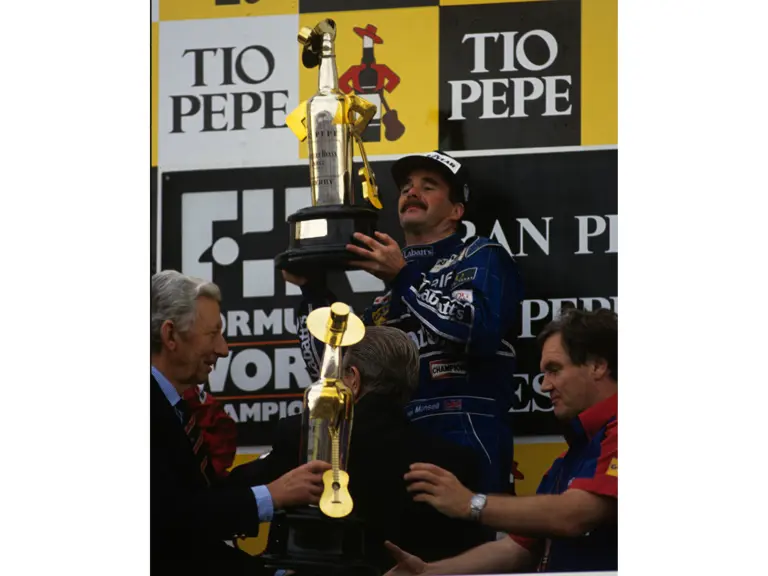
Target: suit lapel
[(166, 429)]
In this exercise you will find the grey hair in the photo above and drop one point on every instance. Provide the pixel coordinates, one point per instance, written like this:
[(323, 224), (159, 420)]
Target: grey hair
[(388, 362), (172, 297)]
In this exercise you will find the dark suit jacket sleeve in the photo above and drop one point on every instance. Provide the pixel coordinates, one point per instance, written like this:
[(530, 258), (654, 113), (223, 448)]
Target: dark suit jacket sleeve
[(182, 506), (283, 457), (218, 512)]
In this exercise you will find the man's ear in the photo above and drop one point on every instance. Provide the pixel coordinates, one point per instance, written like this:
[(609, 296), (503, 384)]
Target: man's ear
[(599, 368), (458, 211), (354, 381), (168, 335)]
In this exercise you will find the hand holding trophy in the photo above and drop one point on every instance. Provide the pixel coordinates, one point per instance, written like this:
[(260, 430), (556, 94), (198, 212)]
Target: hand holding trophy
[(330, 122)]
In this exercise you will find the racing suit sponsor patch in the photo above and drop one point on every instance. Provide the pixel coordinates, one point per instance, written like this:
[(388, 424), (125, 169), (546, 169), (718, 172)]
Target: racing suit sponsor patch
[(422, 408), (466, 275), (463, 296), (446, 306), (381, 299), (420, 252), (443, 263), (306, 346), (454, 404), (379, 316), (440, 369)]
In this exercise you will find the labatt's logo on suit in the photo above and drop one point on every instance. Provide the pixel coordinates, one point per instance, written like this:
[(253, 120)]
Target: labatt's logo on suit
[(371, 79)]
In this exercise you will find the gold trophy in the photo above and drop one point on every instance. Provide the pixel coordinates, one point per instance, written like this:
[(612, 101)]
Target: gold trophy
[(329, 538), (328, 406), (330, 122)]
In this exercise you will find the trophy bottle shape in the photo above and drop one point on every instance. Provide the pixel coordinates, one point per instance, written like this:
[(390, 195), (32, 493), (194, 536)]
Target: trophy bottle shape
[(330, 122), (330, 138)]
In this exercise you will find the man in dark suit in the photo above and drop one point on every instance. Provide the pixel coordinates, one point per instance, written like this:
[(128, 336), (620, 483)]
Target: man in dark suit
[(383, 371), (192, 511)]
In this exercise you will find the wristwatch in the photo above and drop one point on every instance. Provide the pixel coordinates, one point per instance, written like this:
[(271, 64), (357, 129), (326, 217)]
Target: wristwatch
[(476, 506)]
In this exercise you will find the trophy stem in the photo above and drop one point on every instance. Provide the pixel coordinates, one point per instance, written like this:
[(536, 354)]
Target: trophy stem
[(328, 78), (331, 363)]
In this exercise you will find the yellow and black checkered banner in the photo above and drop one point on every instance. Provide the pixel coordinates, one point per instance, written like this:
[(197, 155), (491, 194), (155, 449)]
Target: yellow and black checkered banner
[(487, 80)]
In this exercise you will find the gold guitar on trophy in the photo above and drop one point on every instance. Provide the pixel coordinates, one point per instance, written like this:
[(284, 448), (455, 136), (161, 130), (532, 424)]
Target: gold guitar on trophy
[(336, 501)]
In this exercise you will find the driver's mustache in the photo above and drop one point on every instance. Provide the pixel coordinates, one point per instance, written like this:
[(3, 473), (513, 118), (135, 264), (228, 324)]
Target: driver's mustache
[(410, 203)]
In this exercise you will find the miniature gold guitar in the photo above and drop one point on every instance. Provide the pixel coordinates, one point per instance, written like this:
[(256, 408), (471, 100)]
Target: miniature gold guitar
[(336, 501)]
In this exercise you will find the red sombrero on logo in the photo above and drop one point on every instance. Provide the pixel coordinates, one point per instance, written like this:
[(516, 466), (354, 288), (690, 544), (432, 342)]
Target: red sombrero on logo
[(370, 32)]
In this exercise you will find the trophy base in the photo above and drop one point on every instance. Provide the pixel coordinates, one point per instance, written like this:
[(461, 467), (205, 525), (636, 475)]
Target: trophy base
[(319, 236), (308, 542)]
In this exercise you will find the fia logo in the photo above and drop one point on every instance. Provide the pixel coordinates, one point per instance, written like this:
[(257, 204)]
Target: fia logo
[(229, 237), (221, 229)]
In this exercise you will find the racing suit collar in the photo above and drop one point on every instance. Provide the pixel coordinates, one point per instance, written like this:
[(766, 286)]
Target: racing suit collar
[(584, 426), (434, 250)]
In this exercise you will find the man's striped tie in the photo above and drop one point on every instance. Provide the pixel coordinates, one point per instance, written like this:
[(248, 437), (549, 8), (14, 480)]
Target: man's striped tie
[(196, 439)]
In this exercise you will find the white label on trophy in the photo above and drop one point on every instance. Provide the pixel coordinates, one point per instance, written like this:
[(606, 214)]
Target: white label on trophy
[(311, 229), (325, 159)]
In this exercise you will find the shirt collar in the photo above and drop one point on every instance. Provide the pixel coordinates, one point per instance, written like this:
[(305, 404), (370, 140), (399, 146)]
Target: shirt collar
[(593, 419), (165, 385), (435, 249)]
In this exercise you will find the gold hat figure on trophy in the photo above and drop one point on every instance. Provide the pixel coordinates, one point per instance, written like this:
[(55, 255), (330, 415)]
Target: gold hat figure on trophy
[(328, 406)]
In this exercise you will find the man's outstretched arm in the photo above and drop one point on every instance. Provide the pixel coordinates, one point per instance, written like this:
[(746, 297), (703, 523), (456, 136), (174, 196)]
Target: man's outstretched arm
[(500, 556)]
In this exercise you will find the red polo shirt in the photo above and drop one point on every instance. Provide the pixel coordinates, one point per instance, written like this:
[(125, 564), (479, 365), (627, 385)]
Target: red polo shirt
[(591, 463)]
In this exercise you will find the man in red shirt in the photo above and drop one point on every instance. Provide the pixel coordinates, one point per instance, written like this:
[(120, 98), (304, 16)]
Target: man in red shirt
[(571, 524)]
